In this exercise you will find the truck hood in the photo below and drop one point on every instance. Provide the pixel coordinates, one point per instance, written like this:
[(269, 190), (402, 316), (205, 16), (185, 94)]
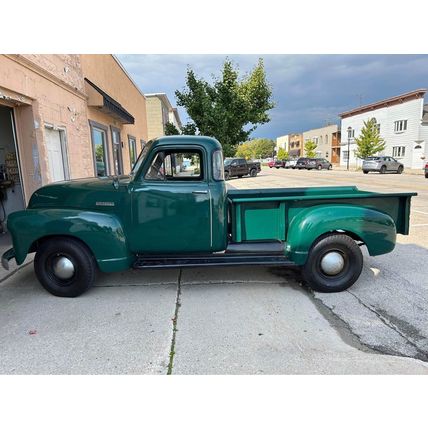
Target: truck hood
[(85, 193)]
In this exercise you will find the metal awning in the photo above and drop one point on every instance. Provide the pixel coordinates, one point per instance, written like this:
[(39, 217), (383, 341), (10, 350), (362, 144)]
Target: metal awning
[(104, 102)]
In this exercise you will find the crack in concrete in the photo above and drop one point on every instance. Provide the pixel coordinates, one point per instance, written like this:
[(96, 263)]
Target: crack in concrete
[(421, 354), (174, 325)]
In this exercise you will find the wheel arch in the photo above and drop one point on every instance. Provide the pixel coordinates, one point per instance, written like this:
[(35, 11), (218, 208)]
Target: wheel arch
[(374, 229)]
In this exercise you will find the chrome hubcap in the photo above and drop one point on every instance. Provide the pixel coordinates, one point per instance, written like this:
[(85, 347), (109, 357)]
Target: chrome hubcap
[(63, 267), (332, 263)]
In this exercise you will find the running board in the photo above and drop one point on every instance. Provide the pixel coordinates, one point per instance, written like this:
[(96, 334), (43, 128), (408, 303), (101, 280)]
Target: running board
[(151, 262)]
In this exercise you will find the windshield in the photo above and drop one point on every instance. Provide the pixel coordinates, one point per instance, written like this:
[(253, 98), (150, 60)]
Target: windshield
[(228, 161), (141, 157), (373, 158)]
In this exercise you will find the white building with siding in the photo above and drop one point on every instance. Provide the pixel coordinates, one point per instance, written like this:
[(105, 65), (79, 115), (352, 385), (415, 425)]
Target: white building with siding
[(402, 122)]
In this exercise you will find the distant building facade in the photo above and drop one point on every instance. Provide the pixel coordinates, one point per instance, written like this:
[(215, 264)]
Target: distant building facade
[(159, 112), (295, 145), (323, 138), (402, 122), (282, 143)]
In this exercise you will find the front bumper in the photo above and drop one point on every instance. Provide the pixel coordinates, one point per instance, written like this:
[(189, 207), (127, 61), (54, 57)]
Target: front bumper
[(6, 257)]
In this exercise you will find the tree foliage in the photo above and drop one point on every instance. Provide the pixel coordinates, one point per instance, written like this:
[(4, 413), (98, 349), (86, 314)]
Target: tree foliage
[(230, 108), (310, 147), (170, 129), (256, 149), (369, 142), (282, 154)]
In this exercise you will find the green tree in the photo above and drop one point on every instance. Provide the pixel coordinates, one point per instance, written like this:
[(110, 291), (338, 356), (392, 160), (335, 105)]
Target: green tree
[(310, 147), (245, 150), (170, 129), (282, 154), (189, 129), (369, 142), (230, 108)]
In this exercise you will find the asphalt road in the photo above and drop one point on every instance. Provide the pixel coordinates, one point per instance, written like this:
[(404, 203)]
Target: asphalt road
[(234, 320)]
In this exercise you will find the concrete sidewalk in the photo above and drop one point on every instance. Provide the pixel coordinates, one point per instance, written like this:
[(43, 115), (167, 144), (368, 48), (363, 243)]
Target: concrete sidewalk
[(197, 321)]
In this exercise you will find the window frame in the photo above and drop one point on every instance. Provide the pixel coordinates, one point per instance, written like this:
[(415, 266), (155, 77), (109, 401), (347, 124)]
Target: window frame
[(114, 129), (134, 140), (104, 128), (400, 126), (398, 151), (167, 149)]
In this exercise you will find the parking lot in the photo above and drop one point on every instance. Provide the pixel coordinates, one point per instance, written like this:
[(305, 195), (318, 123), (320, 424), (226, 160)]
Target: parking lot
[(233, 320)]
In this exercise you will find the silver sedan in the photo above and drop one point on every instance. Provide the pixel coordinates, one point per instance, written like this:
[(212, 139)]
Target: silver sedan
[(382, 164)]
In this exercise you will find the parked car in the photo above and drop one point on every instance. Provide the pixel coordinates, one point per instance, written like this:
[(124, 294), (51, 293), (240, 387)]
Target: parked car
[(276, 164), (382, 164), (313, 163), (238, 167), (290, 163), (426, 170)]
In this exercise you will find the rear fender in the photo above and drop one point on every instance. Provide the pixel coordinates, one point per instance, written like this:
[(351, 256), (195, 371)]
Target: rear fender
[(374, 228), (102, 233)]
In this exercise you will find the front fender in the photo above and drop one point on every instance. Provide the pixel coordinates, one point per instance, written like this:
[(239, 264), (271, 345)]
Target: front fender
[(101, 232), (376, 229)]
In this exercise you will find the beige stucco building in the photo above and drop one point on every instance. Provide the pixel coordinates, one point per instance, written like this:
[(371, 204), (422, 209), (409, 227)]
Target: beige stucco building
[(159, 112), (323, 138), (58, 113)]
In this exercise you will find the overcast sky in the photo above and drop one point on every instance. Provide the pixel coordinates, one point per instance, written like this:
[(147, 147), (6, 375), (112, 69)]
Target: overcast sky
[(309, 90)]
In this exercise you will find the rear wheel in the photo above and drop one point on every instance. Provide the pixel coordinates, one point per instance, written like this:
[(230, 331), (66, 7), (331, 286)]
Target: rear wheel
[(400, 170), (383, 169), (253, 172), (330, 167), (334, 263), (226, 175), (65, 267), (365, 172)]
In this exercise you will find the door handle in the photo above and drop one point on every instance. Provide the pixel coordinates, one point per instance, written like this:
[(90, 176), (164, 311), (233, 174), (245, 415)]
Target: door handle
[(200, 192)]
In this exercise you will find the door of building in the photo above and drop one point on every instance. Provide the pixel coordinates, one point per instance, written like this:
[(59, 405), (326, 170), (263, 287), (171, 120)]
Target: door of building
[(57, 156), (11, 192), (418, 157)]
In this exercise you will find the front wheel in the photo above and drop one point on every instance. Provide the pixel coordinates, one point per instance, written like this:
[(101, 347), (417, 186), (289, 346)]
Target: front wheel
[(383, 169), (365, 172), (330, 167), (334, 263), (253, 173), (226, 175), (400, 170), (65, 267), (319, 167)]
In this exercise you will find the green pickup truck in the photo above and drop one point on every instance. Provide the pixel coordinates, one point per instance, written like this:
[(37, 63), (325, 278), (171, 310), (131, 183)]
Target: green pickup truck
[(174, 211)]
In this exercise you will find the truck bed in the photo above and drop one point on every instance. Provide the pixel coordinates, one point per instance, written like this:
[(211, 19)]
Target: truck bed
[(264, 214)]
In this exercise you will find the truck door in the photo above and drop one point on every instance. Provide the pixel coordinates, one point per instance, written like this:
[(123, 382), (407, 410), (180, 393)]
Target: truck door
[(171, 206)]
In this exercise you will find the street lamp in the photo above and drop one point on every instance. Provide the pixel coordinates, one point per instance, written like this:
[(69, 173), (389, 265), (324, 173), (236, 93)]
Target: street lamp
[(349, 143)]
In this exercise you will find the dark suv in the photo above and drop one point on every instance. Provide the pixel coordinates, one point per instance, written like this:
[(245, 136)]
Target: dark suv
[(316, 163)]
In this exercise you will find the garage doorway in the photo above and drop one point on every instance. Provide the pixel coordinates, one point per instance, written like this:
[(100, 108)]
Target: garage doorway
[(11, 192)]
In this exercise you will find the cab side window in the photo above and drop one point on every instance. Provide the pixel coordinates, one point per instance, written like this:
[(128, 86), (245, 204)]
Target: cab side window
[(180, 165)]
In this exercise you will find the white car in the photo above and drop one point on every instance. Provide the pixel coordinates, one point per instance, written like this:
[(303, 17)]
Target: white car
[(291, 163)]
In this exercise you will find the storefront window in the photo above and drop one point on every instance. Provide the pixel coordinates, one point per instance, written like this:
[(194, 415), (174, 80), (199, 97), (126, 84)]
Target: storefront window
[(99, 144)]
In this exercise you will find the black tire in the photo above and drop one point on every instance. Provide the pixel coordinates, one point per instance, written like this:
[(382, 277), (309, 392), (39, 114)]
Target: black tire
[(277, 167), (319, 167), (352, 256), (240, 176), (426, 175), (226, 175), (253, 173), (383, 169), (400, 169), (365, 172), (75, 251)]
